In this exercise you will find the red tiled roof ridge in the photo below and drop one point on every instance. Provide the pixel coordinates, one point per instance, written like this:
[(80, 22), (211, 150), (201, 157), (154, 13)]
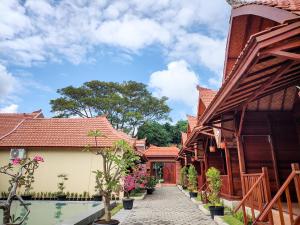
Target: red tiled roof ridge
[(162, 151), (5, 135), (288, 5)]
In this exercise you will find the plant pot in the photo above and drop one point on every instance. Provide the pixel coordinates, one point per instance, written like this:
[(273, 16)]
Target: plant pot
[(150, 191), (26, 197), (103, 222), (216, 211), (193, 194), (127, 203), (61, 197), (97, 198)]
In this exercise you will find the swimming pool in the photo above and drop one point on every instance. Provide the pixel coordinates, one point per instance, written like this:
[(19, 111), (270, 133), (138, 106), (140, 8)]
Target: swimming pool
[(51, 212)]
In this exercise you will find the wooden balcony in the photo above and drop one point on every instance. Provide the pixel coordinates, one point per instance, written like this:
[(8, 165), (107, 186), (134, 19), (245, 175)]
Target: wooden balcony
[(225, 185)]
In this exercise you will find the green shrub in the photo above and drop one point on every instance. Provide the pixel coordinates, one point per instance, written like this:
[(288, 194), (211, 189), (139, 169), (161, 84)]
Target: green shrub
[(183, 176), (192, 178), (214, 185)]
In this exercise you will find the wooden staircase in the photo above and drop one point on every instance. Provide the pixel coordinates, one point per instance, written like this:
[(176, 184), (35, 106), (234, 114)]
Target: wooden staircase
[(266, 211), (276, 205)]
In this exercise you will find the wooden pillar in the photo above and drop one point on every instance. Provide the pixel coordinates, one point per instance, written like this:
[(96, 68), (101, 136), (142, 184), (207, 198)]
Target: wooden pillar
[(185, 160), (240, 148), (295, 167), (267, 190), (229, 169), (273, 154)]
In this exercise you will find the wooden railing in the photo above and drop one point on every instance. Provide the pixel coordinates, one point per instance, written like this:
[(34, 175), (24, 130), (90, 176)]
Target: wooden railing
[(276, 201), (257, 194), (225, 184)]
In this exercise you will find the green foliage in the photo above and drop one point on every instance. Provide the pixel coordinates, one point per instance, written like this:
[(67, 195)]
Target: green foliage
[(231, 220), (127, 105), (214, 185), (61, 183), (183, 176), (240, 217), (162, 134), (192, 178), (116, 162), (151, 182)]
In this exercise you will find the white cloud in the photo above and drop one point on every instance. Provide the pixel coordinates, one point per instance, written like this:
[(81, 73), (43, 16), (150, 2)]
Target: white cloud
[(43, 30), (13, 108), (8, 84), (178, 83)]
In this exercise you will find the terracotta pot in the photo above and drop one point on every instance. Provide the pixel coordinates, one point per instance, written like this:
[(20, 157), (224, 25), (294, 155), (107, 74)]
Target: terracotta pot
[(212, 148)]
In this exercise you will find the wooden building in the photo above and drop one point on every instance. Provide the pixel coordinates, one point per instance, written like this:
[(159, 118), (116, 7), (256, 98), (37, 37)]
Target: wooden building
[(162, 163), (257, 110)]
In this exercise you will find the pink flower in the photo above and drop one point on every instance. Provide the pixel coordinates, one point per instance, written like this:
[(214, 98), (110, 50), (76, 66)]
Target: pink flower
[(38, 158), (129, 183), (16, 161)]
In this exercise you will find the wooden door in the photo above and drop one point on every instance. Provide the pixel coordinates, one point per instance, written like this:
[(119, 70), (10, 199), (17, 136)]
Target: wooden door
[(169, 173)]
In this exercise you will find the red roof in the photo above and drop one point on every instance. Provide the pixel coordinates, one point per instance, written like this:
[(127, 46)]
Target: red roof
[(289, 5), (206, 95), (63, 132), (10, 121), (154, 151), (192, 121)]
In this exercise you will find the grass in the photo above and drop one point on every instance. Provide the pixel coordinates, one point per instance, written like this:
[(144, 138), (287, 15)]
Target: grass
[(199, 197), (115, 210), (138, 194), (232, 220)]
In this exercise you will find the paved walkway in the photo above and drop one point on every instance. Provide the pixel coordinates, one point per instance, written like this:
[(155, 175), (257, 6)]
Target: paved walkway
[(166, 206)]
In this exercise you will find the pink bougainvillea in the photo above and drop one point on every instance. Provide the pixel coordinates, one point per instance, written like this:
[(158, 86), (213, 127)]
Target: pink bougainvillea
[(129, 184), (16, 161), (140, 174), (38, 158)]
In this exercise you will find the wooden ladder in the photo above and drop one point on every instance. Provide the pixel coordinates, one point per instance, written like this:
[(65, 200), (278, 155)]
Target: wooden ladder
[(294, 176), (258, 195)]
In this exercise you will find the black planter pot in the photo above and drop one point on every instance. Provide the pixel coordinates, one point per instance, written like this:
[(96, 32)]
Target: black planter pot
[(61, 197), (128, 203), (103, 222), (193, 194), (150, 191), (97, 198), (216, 211)]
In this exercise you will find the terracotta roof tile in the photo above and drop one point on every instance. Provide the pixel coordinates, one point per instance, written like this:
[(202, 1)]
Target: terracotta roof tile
[(192, 121), (63, 132), (10, 121), (153, 151), (206, 95), (289, 5)]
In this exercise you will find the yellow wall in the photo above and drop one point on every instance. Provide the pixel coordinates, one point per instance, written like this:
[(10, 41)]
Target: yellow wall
[(74, 162)]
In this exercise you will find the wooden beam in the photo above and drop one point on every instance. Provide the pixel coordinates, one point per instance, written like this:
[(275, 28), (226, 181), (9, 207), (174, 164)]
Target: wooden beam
[(286, 55), (229, 169), (221, 128)]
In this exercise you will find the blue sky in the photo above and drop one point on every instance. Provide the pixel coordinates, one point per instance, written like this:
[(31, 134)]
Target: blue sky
[(170, 45)]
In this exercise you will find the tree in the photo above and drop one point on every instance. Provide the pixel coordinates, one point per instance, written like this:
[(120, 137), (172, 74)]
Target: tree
[(162, 134), (127, 105), (115, 164), (155, 133)]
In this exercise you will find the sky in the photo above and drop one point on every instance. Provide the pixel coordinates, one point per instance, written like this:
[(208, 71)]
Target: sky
[(170, 45)]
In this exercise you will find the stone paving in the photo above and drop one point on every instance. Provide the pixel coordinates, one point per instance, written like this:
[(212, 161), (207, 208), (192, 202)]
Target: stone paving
[(166, 206)]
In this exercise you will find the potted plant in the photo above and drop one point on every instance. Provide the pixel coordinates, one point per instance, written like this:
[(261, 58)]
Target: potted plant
[(192, 178), (129, 185), (214, 188), (61, 196), (150, 185), (183, 177), (116, 162), (16, 170)]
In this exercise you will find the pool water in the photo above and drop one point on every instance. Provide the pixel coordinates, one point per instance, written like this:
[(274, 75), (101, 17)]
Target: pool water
[(50, 212)]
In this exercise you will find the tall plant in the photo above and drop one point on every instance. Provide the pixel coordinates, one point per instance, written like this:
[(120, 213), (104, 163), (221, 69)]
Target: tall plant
[(23, 167), (183, 176), (62, 178), (192, 178), (214, 185), (116, 161)]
